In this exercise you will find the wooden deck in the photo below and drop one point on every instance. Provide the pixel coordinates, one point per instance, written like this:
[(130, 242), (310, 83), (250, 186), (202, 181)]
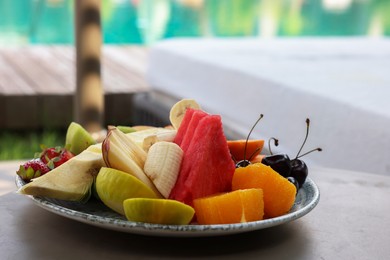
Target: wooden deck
[(37, 84)]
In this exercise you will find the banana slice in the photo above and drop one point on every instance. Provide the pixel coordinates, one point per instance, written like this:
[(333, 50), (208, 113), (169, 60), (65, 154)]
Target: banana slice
[(179, 109), (139, 136), (168, 135), (162, 165)]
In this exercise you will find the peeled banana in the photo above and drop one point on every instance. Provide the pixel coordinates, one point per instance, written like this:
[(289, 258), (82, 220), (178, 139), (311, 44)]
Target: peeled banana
[(162, 134), (178, 110), (167, 135), (162, 165)]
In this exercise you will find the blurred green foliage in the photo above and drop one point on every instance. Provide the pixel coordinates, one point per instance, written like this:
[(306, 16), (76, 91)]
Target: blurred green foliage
[(24, 144)]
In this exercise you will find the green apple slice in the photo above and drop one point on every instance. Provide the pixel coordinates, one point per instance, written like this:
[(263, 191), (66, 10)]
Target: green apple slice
[(114, 186), (158, 211), (126, 129), (77, 138)]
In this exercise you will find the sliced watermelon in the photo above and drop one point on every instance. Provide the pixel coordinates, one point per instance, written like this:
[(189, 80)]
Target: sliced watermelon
[(197, 115), (184, 137), (183, 126), (207, 167)]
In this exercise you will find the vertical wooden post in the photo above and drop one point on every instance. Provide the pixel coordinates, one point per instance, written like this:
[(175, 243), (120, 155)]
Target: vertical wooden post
[(89, 96)]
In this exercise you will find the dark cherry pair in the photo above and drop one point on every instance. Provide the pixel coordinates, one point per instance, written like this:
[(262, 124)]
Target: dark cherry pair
[(294, 170)]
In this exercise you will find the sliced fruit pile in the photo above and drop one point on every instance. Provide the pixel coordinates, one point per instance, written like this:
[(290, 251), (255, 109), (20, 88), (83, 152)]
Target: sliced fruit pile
[(185, 173)]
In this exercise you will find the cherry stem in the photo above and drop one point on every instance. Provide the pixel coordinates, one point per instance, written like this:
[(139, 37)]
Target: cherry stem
[(257, 149), (233, 158), (276, 143), (250, 132), (307, 134), (316, 149)]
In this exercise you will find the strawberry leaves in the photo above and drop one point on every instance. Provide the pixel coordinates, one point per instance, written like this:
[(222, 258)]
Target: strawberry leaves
[(44, 161)]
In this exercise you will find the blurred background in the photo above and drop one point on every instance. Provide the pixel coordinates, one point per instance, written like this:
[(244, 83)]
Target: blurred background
[(146, 21)]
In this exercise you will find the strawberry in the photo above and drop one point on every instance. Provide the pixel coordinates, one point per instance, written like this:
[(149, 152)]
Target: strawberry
[(32, 169), (54, 156)]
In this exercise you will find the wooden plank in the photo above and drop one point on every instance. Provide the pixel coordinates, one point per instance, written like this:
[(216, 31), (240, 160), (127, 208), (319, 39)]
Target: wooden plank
[(11, 80), (137, 52), (131, 58), (58, 67), (37, 84), (117, 79), (132, 73), (117, 76), (51, 67), (119, 109), (2, 112), (20, 111), (68, 56), (51, 70), (38, 76), (65, 52), (55, 111)]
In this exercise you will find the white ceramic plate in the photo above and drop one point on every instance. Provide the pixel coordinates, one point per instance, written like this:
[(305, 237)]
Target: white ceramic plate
[(97, 214)]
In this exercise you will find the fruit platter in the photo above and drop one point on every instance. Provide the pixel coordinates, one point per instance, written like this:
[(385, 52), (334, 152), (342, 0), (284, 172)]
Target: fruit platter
[(185, 179)]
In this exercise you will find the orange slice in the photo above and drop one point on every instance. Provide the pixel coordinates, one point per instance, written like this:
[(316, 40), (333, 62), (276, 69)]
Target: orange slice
[(279, 193), (237, 148), (232, 207)]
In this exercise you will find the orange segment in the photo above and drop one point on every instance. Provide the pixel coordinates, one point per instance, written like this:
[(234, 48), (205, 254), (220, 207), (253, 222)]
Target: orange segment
[(237, 148), (232, 207), (279, 193)]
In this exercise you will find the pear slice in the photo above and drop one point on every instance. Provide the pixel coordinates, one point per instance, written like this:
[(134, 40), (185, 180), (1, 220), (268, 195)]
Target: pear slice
[(78, 138), (158, 211), (121, 153), (70, 181), (114, 186)]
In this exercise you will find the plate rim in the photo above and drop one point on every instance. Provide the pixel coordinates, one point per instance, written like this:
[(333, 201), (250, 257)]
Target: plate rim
[(191, 230)]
